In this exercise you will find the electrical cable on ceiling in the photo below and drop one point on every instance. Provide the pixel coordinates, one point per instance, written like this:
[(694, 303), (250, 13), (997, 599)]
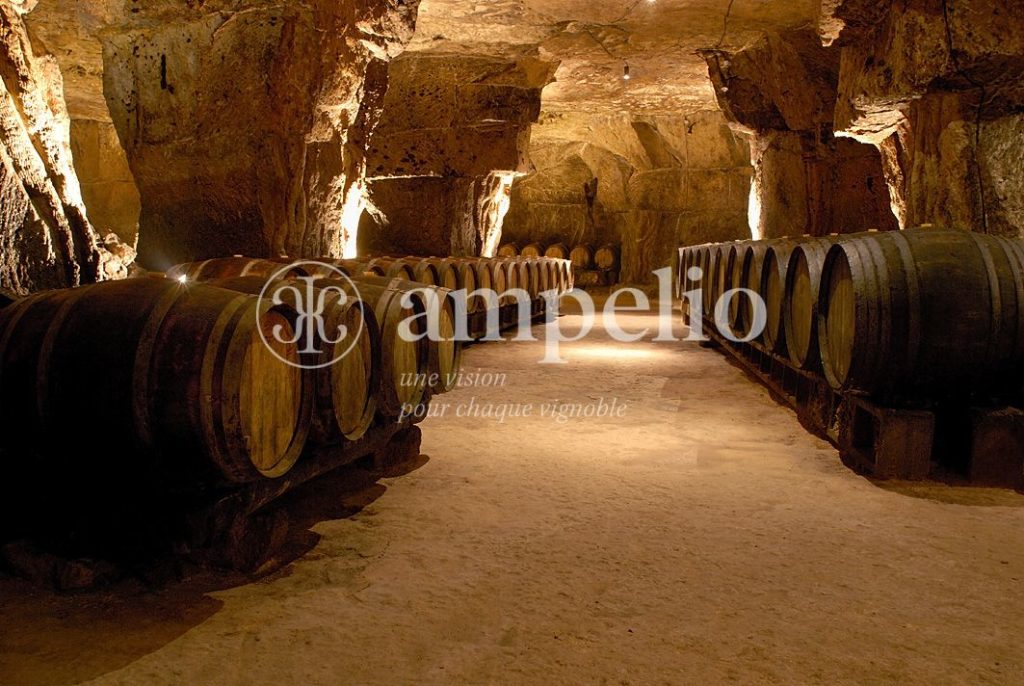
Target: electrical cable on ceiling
[(725, 25)]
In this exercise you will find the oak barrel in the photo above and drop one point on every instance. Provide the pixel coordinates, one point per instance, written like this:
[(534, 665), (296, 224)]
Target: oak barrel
[(558, 251), (800, 302), (923, 312), (346, 383), (606, 257), (404, 365), (773, 287), (582, 257), (183, 370), (444, 351)]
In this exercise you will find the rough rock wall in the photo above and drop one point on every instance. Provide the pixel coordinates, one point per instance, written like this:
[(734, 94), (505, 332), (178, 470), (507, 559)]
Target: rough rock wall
[(46, 239), (66, 31), (244, 121), (782, 93), (647, 183), (938, 86), (108, 187), (455, 130)]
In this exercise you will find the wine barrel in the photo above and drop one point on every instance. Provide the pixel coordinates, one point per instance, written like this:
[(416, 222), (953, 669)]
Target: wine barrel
[(394, 268), (800, 302), (709, 281), (185, 369), (680, 277), (537, 275), (510, 273), (346, 383), (773, 287), (606, 258), (564, 275), (443, 350), (508, 250), (404, 365), (732, 278), (750, 278), (690, 258), (923, 312), (465, 278), (484, 276), (554, 275), (533, 250), (582, 257), (527, 277), (423, 271), (532, 276), (448, 275), (228, 267), (558, 251)]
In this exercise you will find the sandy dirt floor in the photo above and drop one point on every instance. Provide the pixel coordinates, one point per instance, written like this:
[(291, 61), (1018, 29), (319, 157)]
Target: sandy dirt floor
[(703, 537)]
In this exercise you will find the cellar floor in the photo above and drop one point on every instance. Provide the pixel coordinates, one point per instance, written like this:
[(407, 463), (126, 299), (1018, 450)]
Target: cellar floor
[(703, 537)]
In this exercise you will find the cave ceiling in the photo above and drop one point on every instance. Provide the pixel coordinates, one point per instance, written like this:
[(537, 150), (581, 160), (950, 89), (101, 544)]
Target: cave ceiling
[(592, 40)]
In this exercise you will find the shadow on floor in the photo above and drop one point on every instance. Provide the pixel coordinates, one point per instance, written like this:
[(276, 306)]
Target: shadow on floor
[(49, 638)]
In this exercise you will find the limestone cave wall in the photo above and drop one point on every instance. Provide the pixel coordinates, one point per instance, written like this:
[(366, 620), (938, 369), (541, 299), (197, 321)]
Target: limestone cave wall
[(454, 132), (781, 92), (46, 237), (937, 86), (648, 184), (243, 123)]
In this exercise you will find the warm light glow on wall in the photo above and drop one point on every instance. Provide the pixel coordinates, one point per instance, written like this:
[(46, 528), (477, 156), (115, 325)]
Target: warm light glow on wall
[(351, 213), (754, 212), (497, 209)]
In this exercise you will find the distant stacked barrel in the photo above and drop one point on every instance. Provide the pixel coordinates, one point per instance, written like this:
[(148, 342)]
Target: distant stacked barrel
[(918, 314), (581, 257)]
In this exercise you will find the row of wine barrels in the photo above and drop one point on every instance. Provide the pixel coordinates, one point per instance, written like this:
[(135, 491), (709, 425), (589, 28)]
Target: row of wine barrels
[(581, 256), (533, 275), (404, 365), (916, 313), (229, 267), (185, 368), (556, 251)]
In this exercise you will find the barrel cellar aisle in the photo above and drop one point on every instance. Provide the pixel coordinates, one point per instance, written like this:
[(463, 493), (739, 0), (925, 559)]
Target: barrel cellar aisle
[(704, 529)]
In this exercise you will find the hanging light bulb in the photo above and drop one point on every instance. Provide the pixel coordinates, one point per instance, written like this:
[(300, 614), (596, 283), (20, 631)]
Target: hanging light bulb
[(625, 72)]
